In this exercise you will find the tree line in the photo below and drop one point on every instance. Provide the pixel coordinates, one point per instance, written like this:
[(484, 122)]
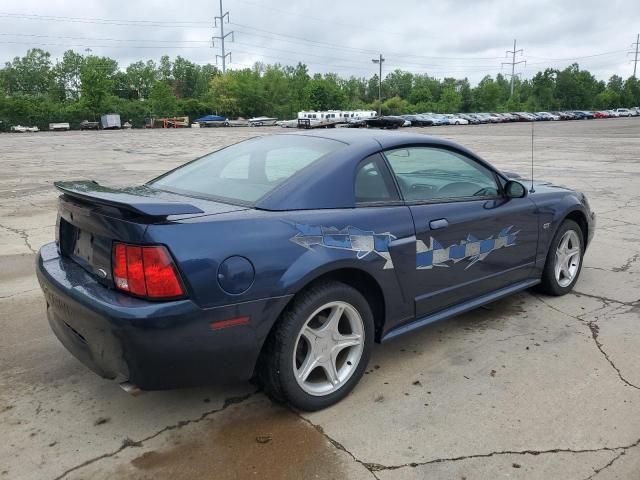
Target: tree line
[(35, 90)]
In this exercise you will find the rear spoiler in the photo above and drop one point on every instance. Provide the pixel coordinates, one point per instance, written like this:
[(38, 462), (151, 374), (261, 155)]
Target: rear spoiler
[(92, 192)]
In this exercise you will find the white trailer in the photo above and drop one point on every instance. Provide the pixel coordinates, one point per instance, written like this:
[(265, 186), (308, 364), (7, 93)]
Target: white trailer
[(111, 120)]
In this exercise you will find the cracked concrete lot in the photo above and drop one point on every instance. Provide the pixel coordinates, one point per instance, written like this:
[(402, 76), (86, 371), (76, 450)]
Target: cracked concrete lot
[(528, 387)]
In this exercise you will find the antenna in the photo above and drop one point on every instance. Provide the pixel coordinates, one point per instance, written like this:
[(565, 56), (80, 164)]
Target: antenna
[(532, 190)]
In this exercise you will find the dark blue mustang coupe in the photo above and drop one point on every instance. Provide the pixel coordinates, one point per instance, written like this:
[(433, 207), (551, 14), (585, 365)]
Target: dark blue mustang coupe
[(287, 256)]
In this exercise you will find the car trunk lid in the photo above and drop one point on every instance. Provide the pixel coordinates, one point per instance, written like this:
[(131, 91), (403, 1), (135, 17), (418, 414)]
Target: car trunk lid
[(91, 217)]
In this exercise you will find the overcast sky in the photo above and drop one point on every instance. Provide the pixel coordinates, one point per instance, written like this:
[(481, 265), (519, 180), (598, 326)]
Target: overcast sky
[(442, 38)]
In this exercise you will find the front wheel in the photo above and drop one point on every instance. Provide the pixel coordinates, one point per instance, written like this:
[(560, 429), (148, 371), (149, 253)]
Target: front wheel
[(564, 260), (319, 348)]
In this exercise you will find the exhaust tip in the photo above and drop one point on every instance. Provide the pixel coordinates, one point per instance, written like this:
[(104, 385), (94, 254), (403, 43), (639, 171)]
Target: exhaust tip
[(131, 389)]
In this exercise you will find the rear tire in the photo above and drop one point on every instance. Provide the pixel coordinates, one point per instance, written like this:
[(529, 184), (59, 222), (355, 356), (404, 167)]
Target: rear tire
[(564, 260), (319, 348)]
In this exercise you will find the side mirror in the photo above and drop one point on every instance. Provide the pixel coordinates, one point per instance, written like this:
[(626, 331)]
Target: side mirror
[(515, 189)]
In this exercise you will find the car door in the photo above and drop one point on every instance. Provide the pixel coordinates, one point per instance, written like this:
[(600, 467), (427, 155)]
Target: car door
[(470, 238)]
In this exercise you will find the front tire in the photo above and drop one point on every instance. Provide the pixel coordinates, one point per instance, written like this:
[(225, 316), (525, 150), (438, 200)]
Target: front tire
[(564, 260), (319, 348)]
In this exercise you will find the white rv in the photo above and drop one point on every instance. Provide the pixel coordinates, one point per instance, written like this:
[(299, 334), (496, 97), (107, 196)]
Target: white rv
[(337, 115)]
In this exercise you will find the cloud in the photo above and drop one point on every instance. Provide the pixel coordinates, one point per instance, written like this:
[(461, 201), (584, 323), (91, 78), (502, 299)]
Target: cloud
[(437, 37)]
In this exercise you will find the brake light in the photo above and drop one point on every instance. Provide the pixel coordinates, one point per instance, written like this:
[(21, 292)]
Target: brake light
[(145, 271)]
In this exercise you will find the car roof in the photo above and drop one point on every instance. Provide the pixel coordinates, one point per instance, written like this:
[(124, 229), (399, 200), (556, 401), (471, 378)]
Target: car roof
[(329, 181), (358, 137)]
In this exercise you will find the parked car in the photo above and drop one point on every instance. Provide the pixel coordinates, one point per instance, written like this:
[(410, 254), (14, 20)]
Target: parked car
[(87, 125), (549, 116), (480, 118), (418, 120), (566, 115), (59, 126), (504, 117), (386, 121), (525, 116), (23, 129), (437, 120), (456, 119), (623, 112), (487, 117), (443, 118), (583, 114), (469, 117), (601, 114), (495, 118), (316, 247), (510, 117)]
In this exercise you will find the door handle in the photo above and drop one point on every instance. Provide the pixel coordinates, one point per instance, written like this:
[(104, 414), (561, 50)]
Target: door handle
[(437, 224)]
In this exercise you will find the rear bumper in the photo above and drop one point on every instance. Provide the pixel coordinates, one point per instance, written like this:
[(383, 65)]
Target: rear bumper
[(154, 345)]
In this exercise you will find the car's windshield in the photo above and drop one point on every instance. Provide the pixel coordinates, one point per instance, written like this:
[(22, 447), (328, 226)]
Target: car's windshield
[(245, 172)]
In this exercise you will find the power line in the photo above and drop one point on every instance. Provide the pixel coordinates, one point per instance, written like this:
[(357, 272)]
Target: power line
[(222, 37), (573, 58), (306, 54), (513, 62), (106, 21), (335, 46), (331, 21), (34, 35), (82, 45)]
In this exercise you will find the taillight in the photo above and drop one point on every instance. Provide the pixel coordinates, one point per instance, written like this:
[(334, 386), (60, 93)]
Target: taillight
[(145, 271)]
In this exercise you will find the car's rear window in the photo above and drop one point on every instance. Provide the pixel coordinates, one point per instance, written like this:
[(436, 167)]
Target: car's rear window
[(247, 171)]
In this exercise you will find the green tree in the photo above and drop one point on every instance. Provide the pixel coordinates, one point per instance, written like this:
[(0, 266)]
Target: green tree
[(450, 100), (165, 69), (141, 76), (487, 95), (67, 76), (631, 93), (394, 106), (96, 78), (185, 77), (397, 83), (323, 93), (29, 75), (543, 85), (163, 101)]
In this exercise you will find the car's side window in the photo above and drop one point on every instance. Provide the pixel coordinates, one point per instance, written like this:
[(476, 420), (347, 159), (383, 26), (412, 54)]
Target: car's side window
[(432, 174), (373, 183)]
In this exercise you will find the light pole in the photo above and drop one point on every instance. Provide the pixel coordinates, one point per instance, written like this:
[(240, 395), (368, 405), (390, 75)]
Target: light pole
[(379, 61)]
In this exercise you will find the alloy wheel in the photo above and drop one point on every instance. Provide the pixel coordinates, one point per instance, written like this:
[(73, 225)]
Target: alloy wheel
[(567, 258), (328, 348)]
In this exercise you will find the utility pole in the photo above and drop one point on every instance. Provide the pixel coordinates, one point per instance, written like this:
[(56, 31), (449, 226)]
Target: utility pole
[(635, 61), (513, 62), (222, 37), (379, 61)]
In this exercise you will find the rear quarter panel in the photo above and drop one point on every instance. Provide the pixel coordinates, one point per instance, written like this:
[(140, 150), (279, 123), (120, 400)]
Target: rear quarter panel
[(282, 265)]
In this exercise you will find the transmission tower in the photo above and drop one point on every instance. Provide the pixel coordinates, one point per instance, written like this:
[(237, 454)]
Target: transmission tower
[(513, 62), (635, 60), (222, 37)]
